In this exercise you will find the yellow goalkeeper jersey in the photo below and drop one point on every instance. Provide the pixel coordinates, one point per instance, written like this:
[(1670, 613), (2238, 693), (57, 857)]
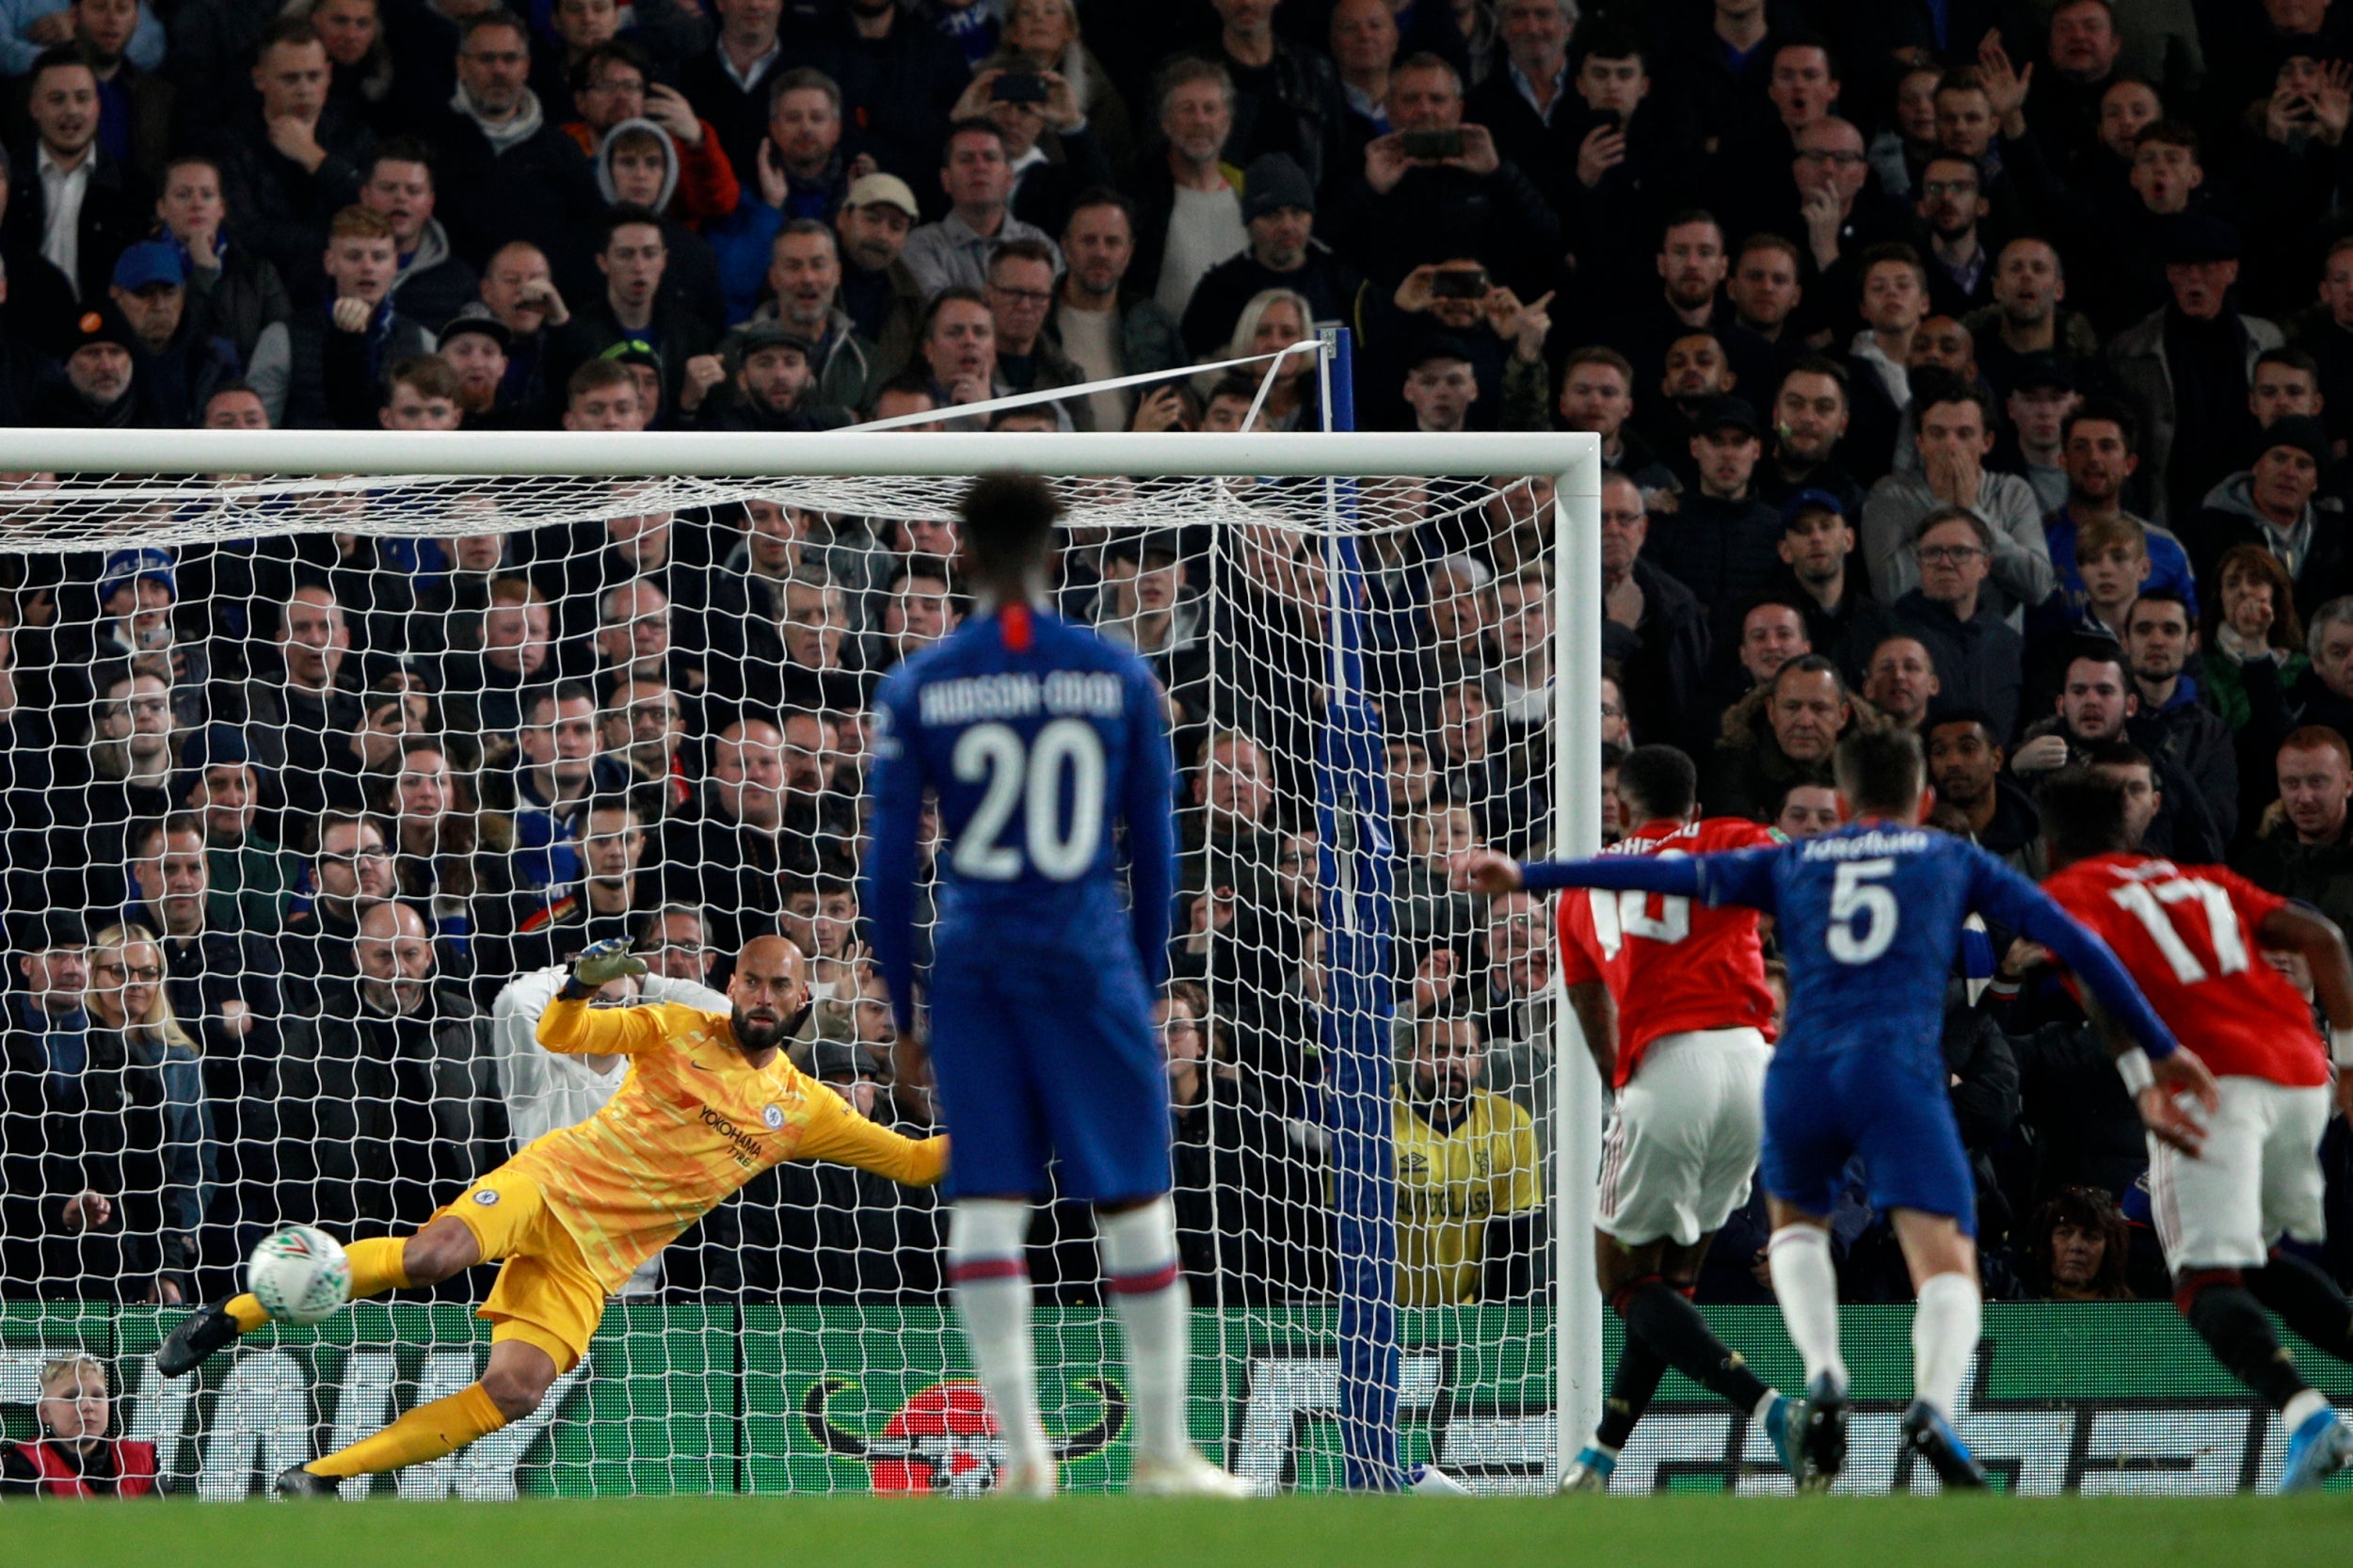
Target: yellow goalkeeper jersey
[(1448, 1185), (691, 1122)]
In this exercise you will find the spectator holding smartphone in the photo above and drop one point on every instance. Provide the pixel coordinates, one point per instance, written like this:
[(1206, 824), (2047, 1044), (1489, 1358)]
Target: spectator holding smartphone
[(1438, 181)]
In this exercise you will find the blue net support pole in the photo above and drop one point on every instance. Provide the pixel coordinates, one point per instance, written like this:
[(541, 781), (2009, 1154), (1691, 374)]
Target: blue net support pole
[(1354, 872)]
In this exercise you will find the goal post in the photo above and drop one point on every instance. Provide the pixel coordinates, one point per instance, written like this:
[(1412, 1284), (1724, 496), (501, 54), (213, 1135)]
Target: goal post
[(1335, 492)]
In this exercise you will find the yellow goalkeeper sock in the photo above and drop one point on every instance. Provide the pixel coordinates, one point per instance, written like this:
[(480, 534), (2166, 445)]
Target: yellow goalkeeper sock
[(425, 1432), (375, 1266)]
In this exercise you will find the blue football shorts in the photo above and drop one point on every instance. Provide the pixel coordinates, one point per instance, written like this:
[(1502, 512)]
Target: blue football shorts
[(1822, 1108), (1046, 1054)]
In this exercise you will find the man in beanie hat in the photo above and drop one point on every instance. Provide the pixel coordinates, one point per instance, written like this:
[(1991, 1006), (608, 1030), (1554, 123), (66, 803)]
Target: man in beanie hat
[(771, 386), (477, 348), (1278, 208), (97, 387), (2271, 505)]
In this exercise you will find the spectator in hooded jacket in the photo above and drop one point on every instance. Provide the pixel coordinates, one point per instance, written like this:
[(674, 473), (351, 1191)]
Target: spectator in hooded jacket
[(609, 85)]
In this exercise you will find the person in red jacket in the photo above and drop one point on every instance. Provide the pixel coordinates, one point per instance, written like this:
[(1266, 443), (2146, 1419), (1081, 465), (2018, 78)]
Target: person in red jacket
[(75, 1457)]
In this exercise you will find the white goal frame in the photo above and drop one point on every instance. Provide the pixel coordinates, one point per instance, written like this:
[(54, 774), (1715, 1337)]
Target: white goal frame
[(1572, 461)]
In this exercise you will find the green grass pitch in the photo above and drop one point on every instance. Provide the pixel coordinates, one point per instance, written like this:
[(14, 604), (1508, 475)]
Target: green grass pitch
[(1111, 1532)]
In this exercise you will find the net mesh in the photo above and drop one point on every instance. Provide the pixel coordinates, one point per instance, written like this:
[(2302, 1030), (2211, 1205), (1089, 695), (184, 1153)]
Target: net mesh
[(329, 772)]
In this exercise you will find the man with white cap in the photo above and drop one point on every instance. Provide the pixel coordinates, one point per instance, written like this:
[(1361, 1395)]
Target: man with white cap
[(878, 290)]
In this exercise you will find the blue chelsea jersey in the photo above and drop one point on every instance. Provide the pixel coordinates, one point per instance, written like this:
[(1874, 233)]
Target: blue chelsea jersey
[(1870, 920), (1038, 756)]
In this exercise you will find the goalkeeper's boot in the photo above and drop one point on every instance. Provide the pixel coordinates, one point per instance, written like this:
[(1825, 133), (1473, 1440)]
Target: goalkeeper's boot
[(1784, 1424), (192, 1343), (1932, 1438), (1035, 1480), (1183, 1474), (2319, 1449), (1590, 1471), (300, 1483), (1822, 1431)]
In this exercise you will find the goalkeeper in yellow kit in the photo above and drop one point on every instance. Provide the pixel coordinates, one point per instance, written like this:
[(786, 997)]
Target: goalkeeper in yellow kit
[(709, 1102)]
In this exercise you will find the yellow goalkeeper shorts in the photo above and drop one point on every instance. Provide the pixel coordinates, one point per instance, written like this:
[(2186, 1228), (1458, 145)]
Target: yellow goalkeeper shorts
[(544, 1294)]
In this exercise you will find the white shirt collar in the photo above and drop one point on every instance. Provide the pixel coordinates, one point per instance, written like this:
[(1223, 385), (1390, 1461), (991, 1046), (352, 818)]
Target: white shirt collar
[(749, 79), (1527, 88), (48, 166)]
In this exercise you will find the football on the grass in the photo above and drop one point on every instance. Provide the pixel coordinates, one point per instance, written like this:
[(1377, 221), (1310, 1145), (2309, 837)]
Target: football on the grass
[(300, 1275)]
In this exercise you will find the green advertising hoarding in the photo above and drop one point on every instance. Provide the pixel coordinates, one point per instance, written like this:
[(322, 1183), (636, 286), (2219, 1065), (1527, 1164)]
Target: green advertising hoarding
[(2101, 1398)]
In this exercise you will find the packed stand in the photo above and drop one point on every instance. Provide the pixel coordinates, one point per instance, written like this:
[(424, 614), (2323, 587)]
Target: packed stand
[(1982, 369)]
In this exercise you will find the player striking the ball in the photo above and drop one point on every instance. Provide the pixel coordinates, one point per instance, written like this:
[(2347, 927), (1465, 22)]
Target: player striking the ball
[(2194, 937), (1673, 1006), (709, 1102), (1870, 917), (1039, 740)]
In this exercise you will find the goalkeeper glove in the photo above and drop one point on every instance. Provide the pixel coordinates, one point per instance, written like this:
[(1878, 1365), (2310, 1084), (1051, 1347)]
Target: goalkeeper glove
[(599, 963)]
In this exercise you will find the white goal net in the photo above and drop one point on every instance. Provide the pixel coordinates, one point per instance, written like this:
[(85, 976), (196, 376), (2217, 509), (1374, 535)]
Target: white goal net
[(321, 753)]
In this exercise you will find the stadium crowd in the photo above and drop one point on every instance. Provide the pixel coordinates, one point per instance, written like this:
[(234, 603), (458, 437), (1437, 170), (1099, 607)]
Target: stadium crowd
[(1980, 367)]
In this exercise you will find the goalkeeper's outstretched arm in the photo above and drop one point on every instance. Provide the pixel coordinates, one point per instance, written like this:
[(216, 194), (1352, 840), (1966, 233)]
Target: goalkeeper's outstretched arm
[(838, 1133), (572, 1027)]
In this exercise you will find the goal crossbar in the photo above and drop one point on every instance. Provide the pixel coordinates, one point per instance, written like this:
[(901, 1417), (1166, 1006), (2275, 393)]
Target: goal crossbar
[(1572, 458)]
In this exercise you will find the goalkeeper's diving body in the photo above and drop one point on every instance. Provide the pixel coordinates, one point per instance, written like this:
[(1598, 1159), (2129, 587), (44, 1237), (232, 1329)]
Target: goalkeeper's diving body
[(709, 1102), (1039, 741)]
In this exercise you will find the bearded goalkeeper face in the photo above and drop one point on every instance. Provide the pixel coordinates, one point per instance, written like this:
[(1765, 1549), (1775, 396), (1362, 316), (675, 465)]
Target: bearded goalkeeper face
[(770, 994)]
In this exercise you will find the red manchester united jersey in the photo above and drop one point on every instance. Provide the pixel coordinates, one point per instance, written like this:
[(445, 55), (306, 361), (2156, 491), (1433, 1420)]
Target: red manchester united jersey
[(1674, 966), (2186, 934)]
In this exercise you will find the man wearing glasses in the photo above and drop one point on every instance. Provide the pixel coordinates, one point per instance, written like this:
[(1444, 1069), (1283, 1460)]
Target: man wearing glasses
[(1977, 655), (351, 873), (505, 171), (1955, 433), (1020, 294), (1841, 217)]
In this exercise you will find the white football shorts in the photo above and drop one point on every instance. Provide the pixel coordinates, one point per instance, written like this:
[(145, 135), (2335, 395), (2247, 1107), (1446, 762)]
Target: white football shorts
[(2257, 1178), (1684, 1136)]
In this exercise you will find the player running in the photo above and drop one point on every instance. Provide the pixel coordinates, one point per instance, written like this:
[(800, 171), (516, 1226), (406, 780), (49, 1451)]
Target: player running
[(1870, 917), (1675, 1009), (2194, 937), (1040, 740), (709, 1102)]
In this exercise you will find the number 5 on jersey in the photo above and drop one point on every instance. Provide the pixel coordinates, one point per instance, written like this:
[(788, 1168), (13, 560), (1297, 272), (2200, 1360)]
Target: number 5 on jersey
[(1855, 895), (1031, 777)]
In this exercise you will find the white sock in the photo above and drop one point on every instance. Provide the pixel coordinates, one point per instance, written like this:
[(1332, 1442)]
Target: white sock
[(1943, 1338), (1807, 1285), (990, 1279), (2302, 1408), (1139, 1272)]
